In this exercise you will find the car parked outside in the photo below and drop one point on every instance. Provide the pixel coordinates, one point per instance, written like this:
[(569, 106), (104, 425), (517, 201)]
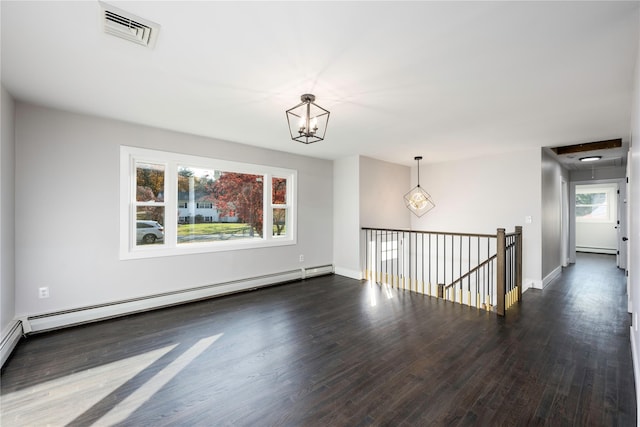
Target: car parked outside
[(149, 232)]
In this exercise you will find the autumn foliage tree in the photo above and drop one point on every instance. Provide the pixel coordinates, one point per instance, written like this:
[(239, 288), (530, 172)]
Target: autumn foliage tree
[(279, 190), (243, 194), (150, 188)]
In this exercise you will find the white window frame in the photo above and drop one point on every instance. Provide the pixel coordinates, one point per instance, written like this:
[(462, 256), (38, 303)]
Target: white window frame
[(130, 250), (610, 191)]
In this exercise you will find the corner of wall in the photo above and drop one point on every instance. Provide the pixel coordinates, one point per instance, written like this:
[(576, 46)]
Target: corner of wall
[(7, 215)]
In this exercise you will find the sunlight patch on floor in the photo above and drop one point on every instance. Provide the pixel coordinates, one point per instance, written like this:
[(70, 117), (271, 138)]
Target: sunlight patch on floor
[(91, 386), (124, 409), (372, 295)]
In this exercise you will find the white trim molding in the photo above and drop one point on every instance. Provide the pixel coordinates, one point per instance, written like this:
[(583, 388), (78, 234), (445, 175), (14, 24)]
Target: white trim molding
[(352, 274), (528, 283), (636, 368), (551, 276)]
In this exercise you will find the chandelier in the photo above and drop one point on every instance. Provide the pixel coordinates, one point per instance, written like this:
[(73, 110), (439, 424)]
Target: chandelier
[(307, 120), (417, 200)]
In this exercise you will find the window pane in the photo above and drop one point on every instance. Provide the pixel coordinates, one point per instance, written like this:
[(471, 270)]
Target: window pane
[(149, 225), (195, 195), (591, 198), (279, 222), (215, 205), (241, 194), (149, 182), (279, 191)]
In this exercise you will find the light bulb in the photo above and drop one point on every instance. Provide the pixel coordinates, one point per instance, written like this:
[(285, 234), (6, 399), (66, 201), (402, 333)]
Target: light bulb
[(418, 201)]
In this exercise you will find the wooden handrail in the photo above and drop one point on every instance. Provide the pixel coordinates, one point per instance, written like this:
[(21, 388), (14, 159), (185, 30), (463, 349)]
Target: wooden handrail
[(442, 233), (470, 272)]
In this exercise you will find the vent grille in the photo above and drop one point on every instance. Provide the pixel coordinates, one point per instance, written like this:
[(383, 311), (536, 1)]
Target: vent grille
[(127, 26)]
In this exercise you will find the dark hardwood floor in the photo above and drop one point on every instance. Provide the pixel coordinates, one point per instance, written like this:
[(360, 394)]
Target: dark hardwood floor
[(332, 351)]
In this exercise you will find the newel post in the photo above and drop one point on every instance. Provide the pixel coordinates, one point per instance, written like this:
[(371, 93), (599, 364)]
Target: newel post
[(519, 261), (501, 271)]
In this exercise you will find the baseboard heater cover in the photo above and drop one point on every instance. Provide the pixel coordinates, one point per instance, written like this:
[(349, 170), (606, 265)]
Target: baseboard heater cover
[(10, 340), (78, 316)]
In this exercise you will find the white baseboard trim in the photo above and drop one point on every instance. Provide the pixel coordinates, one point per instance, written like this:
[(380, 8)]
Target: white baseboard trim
[(636, 369), (591, 250), (528, 283), (552, 276), (352, 274), (10, 337), (66, 318)]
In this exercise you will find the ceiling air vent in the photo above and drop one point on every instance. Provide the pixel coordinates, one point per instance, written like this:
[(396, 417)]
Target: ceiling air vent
[(125, 25)]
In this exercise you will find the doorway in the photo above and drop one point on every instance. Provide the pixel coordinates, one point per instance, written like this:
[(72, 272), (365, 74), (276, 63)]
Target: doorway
[(598, 218)]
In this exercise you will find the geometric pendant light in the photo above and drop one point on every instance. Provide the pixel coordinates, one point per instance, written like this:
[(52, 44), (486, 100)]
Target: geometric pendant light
[(417, 200), (307, 120)]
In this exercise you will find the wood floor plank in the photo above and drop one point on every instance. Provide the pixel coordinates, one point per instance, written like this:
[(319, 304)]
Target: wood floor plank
[(335, 351)]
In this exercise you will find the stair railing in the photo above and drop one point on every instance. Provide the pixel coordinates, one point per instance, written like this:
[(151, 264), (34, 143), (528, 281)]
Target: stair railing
[(478, 270)]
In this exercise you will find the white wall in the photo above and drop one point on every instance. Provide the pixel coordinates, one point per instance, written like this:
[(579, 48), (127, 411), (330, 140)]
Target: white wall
[(67, 213), (551, 182), (483, 194), (346, 217), (613, 172), (634, 228), (7, 194), (382, 185)]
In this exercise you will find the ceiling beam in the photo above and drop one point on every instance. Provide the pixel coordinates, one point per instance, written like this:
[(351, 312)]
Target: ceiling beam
[(589, 146)]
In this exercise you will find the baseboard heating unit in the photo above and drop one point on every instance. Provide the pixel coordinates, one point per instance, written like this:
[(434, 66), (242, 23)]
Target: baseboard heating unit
[(61, 319), (10, 338)]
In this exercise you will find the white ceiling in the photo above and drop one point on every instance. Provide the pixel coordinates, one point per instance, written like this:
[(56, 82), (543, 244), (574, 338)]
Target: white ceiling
[(444, 80)]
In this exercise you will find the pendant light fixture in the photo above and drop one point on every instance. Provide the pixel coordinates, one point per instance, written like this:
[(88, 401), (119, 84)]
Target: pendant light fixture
[(417, 200), (307, 120)]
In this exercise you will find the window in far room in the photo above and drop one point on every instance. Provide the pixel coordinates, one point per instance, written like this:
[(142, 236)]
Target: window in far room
[(594, 203)]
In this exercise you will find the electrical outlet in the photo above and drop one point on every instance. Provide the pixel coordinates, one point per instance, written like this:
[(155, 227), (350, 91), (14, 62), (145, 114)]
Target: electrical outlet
[(301, 258), (43, 292)]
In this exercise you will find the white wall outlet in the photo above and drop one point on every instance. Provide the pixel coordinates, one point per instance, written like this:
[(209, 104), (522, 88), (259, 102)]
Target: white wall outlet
[(301, 258), (528, 219), (43, 292)]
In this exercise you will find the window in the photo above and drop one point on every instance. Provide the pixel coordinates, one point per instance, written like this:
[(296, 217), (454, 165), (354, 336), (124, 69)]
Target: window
[(149, 202), (193, 204), (279, 206), (594, 203)]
